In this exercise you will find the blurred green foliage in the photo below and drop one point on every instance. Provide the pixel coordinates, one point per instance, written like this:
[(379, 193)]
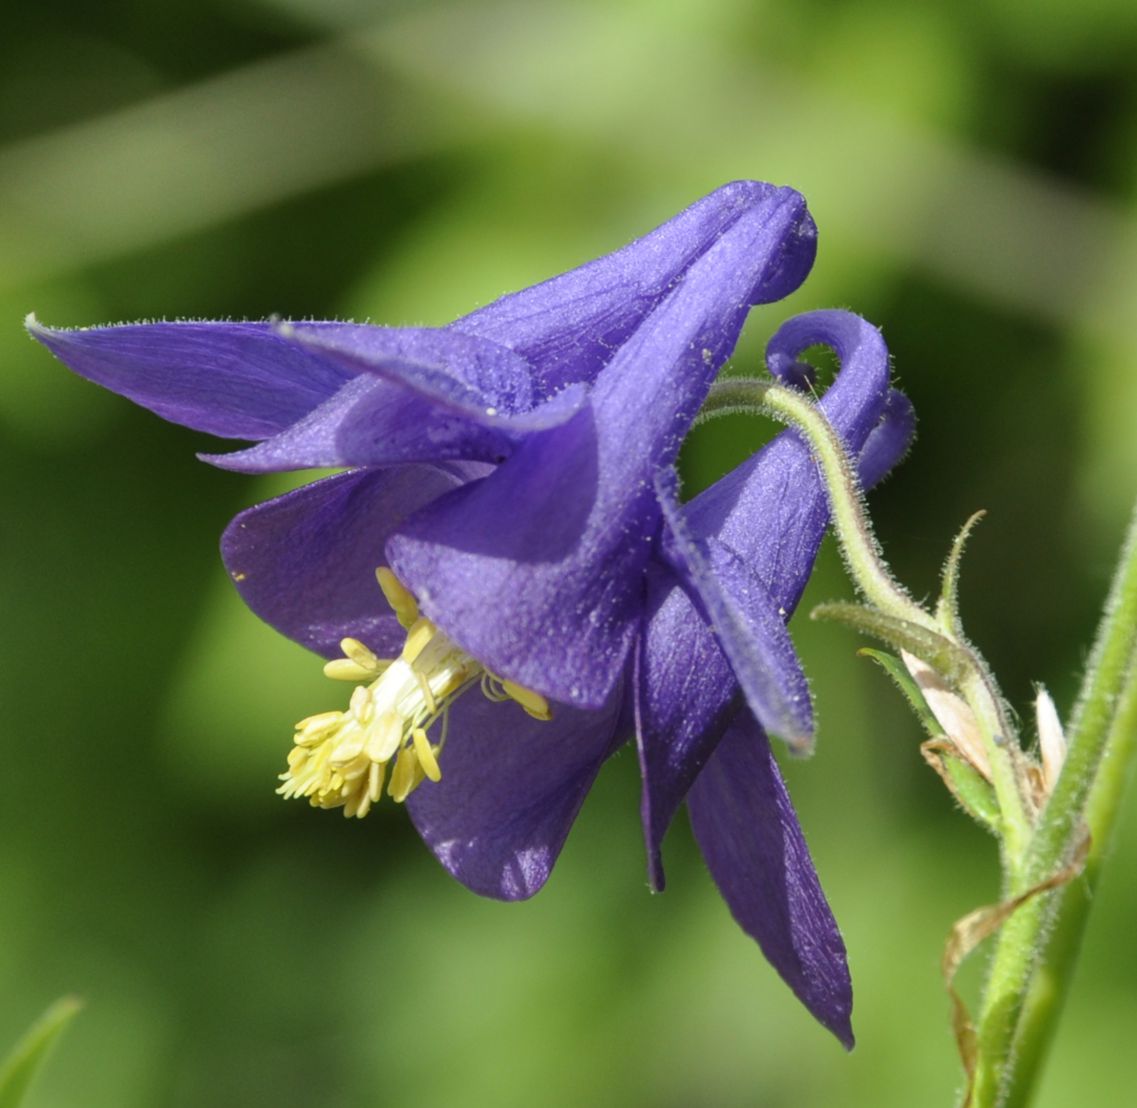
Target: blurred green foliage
[(19, 1068), (971, 169)]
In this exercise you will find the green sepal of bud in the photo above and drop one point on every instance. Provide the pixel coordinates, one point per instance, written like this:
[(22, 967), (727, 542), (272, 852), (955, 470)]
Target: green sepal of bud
[(22, 1064), (895, 669), (947, 608), (971, 789), (949, 660)]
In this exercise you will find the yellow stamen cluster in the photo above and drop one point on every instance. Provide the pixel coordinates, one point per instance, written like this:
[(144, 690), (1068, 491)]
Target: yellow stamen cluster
[(343, 759)]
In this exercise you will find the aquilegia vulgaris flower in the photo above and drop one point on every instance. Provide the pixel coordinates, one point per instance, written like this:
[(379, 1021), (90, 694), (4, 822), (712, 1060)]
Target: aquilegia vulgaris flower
[(504, 569)]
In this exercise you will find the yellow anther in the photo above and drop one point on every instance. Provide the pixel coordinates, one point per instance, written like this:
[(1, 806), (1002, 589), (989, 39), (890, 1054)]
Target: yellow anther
[(344, 669), (533, 703), (352, 770), (405, 776), (425, 753), (349, 747), (359, 663), (360, 704), (361, 654), (427, 693), (311, 730), (419, 635), (403, 604), (385, 737)]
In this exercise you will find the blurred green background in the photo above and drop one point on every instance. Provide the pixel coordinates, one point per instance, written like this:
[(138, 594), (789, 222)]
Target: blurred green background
[(973, 174)]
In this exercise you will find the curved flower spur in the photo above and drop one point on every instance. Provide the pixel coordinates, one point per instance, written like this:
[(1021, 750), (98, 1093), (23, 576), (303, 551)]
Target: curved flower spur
[(510, 488)]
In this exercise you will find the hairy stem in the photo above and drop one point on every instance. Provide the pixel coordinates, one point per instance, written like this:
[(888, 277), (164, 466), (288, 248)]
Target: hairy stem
[(858, 543), (871, 575), (1037, 949)]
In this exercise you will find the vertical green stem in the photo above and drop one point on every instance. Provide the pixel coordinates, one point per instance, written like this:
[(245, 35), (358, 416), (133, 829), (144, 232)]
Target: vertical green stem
[(1013, 1031), (1046, 996)]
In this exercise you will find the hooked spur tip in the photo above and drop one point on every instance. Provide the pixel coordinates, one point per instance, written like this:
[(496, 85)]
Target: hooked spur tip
[(800, 744)]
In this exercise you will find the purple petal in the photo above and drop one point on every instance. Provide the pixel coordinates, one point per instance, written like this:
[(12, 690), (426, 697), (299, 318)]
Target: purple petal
[(511, 787), (749, 623), (305, 562), (775, 510), (853, 403), (685, 693), (235, 380), (888, 441), (567, 327), (537, 570), (750, 838)]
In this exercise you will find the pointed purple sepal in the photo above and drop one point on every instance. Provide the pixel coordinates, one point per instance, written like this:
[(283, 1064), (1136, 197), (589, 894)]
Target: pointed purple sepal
[(749, 623), (750, 838), (234, 380), (511, 787)]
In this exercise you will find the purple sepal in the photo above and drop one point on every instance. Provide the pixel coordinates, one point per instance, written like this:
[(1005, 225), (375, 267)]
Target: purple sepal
[(511, 787), (448, 366), (749, 624), (369, 422), (750, 838), (685, 694), (235, 380), (421, 395)]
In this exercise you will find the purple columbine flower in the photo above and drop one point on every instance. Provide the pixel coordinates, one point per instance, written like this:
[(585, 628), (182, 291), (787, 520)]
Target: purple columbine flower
[(509, 482)]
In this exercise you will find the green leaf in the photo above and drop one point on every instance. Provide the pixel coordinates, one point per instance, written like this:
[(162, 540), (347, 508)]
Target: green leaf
[(970, 788), (947, 609), (952, 662), (23, 1063), (903, 680)]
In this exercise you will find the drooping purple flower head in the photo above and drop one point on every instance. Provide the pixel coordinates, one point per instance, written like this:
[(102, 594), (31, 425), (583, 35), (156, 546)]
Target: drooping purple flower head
[(512, 470)]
